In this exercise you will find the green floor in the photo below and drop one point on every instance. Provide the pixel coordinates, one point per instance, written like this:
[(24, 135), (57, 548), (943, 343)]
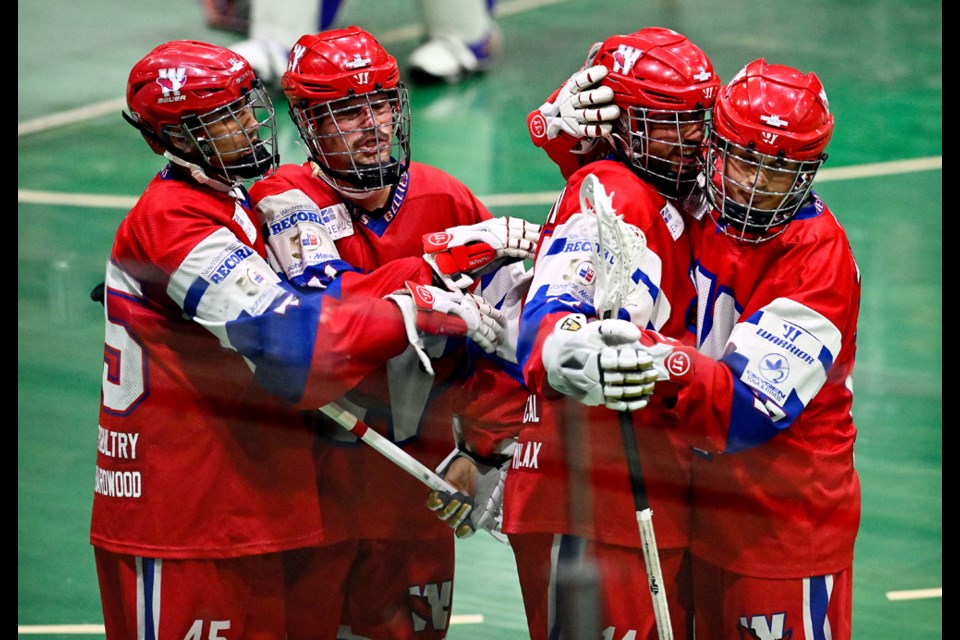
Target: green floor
[(881, 61)]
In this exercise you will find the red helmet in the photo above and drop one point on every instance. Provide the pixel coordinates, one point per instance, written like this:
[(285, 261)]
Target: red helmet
[(771, 127), (666, 87), (204, 105), (329, 77)]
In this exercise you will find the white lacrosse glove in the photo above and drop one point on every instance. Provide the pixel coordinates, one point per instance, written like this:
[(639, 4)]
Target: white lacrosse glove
[(581, 108), (599, 363), (479, 503), (433, 311), (458, 255)]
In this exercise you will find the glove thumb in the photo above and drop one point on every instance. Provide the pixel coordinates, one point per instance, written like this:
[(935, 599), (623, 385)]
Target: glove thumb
[(618, 332)]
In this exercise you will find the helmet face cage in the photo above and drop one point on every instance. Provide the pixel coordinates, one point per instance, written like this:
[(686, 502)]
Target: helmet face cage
[(667, 147), (754, 195), (336, 130), (236, 141)]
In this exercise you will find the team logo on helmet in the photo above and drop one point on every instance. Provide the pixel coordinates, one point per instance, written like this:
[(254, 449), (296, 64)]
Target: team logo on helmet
[(739, 75), (702, 75), (295, 56), (358, 62), (774, 121), (171, 81), (236, 64), (625, 57)]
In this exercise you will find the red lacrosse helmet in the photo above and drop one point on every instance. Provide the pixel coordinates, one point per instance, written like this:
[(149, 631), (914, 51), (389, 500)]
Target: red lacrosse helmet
[(203, 104), (665, 86), (342, 85), (771, 127)]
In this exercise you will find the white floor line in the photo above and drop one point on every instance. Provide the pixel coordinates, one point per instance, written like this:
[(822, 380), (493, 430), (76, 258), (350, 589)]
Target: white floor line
[(60, 629), (73, 116), (387, 38), (94, 629), (877, 169), (915, 594), (545, 198)]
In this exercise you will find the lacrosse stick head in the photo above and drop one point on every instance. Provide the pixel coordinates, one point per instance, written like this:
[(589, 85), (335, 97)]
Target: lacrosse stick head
[(617, 252)]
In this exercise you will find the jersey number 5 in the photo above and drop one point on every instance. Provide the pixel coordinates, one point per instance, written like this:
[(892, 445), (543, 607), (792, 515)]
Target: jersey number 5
[(124, 368)]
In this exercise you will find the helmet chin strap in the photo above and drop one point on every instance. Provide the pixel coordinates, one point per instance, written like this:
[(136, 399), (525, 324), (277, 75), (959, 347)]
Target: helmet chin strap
[(198, 174)]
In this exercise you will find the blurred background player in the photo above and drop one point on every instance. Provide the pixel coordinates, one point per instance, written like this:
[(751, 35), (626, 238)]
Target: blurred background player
[(393, 576), (767, 400), (205, 501), (661, 89), (460, 37)]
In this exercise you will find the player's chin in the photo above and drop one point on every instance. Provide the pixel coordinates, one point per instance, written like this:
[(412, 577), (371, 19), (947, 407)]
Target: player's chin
[(371, 158)]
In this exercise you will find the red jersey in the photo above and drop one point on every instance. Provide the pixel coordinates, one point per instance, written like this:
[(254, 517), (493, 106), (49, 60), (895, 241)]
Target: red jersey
[(364, 495), (776, 492), (195, 458), (536, 496)]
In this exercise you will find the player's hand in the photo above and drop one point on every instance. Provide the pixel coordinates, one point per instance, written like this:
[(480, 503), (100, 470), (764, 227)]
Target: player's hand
[(581, 108), (455, 508), (599, 363), (437, 312), (478, 504), (458, 255)]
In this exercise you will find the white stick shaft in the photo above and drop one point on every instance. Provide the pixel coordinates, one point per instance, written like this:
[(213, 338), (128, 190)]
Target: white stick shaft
[(618, 251), (387, 448), (393, 453), (651, 558)]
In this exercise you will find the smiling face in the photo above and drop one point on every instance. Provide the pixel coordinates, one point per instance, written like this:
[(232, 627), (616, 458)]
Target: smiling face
[(757, 180), (755, 195), (667, 147), (357, 132)]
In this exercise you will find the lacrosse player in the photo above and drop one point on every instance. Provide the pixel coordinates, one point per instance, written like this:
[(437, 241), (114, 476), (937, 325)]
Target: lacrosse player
[(358, 217), (767, 400), (776, 284), (205, 500), (648, 95)]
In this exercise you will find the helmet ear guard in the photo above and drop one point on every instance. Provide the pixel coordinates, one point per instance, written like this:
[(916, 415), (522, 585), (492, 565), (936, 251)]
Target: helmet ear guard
[(157, 144)]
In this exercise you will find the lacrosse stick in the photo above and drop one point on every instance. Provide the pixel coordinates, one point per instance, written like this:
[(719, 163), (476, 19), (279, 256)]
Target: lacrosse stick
[(393, 453), (618, 251)]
